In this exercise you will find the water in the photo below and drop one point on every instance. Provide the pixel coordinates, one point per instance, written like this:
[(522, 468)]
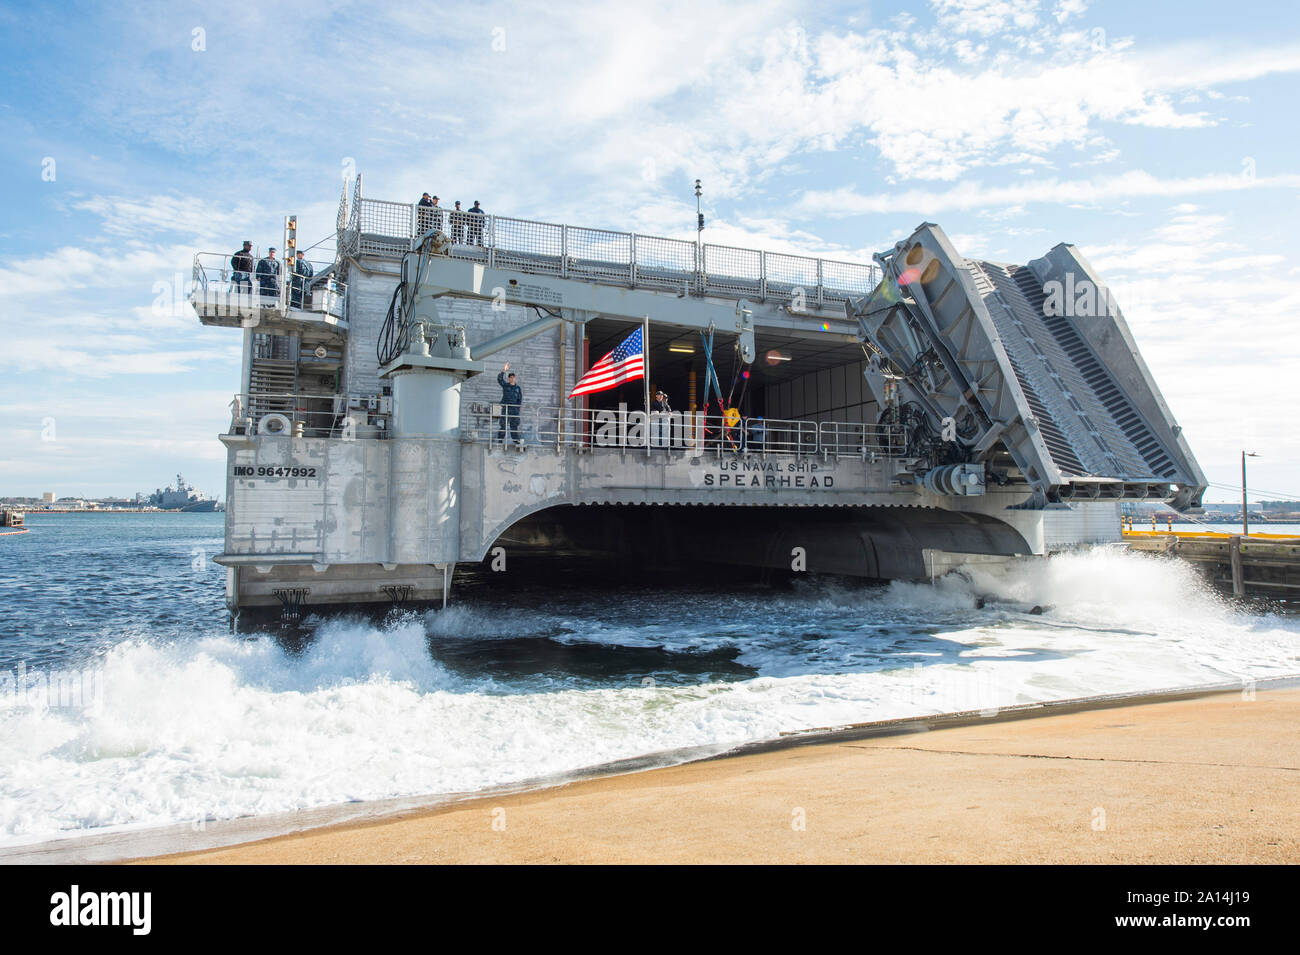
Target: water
[(171, 718)]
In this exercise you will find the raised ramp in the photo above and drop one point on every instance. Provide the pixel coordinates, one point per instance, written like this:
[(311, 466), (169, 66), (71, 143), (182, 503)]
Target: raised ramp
[(1035, 366)]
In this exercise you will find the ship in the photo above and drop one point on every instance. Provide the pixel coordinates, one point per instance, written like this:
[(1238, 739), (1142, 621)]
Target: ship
[(182, 497), (887, 420)]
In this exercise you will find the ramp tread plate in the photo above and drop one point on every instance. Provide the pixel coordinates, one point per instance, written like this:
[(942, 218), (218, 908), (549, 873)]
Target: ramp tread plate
[(1099, 379), (1054, 363)]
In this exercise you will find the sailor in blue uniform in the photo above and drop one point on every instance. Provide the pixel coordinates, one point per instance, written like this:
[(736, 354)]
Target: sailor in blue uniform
[(268, 275), (512, 396)]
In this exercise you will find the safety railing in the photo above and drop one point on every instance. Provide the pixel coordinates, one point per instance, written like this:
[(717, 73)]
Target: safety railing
[(622, 429), (346, 416), (851, 439), (219, 287), (381, 227), (355, 416)]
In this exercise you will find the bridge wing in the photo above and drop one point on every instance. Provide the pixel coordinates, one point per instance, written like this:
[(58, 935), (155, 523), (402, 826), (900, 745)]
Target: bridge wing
[(1035, 367)]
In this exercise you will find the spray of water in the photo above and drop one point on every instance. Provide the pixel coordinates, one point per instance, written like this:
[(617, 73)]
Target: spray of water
[(213, 726)]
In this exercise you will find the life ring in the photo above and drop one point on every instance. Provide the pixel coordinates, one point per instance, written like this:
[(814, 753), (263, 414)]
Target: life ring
[(274, 424)]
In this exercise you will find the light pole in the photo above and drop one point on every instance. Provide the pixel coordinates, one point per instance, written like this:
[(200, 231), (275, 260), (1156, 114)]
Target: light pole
[(1245, 521), (699, 230)]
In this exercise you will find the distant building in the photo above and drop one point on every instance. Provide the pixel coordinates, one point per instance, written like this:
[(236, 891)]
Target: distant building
[(47, 497)]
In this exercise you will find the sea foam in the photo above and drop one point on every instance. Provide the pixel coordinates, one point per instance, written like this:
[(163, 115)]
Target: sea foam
[(213, 726)]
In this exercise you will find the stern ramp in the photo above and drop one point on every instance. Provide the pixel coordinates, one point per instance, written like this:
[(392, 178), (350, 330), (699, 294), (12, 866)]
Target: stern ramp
[(1031, 367)]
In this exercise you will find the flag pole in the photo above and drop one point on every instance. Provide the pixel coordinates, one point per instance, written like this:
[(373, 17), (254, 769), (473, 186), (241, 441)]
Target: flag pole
[(645, 363)]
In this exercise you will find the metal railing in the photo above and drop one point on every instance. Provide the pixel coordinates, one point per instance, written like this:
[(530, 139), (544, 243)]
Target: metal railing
[(350, 416), (461, 226), (542, 426), (217, 285), (381, 227), (851, 439), (347, 417)]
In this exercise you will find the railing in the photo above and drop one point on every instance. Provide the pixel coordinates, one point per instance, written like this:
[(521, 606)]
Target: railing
[(462, 226), (355, 416), (849, 438), (217, 286), (534, 426), (380, 227), (347, 417)]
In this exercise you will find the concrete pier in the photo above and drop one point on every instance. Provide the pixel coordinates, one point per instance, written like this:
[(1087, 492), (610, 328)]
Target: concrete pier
[(1244, 566)]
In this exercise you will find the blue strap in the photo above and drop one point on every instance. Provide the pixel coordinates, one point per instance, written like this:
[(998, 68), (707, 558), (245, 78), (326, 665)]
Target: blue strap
[(710, 376)]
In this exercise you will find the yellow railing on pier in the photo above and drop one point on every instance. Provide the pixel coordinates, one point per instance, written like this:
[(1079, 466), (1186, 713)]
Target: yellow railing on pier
[(1205, 535)]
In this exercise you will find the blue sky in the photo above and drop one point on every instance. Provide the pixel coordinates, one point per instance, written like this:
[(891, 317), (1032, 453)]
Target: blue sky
[(1158, 137)]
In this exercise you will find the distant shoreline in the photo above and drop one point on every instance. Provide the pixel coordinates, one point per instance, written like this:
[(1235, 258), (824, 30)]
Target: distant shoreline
[(77, 510)]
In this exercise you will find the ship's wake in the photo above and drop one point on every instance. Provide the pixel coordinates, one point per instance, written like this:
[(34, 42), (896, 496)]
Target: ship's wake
[(512, 686)]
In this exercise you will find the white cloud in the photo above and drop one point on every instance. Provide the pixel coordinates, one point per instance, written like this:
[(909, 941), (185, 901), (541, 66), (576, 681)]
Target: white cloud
[(38, 278), (117, 312), (1208, 310), (98, 443), (985, 17), (1082, 192), (704, 88), (152, 216), (892, 118), (1069, 8)]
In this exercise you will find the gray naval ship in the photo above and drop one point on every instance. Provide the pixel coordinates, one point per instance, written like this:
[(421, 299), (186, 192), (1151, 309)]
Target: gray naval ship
[(886, 420), (182, 497)]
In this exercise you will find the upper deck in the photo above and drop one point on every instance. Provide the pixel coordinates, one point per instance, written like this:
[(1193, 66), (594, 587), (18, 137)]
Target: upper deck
[(387, 229), (286, 301)]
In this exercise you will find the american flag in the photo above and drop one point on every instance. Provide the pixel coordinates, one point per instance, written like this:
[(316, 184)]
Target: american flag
[(624, 363)]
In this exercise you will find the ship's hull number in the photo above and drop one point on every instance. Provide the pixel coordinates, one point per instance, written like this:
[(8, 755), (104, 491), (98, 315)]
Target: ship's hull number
[(248, 471)]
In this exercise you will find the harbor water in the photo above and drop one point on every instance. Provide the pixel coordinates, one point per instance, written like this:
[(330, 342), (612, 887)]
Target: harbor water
[(126, 701)]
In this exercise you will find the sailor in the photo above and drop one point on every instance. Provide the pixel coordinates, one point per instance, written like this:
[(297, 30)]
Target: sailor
[(435, 215), (757, 433), (268, 275), (476, 224), (241, 265), (512, 396), (426, 217), (660, 426), (236, 413), (302, 271), (458, 225)]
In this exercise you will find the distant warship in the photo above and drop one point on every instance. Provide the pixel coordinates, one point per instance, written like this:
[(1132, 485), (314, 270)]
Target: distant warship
[(182, 497)]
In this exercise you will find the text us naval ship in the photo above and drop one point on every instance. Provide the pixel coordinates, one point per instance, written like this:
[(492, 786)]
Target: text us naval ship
[(887, 421)]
